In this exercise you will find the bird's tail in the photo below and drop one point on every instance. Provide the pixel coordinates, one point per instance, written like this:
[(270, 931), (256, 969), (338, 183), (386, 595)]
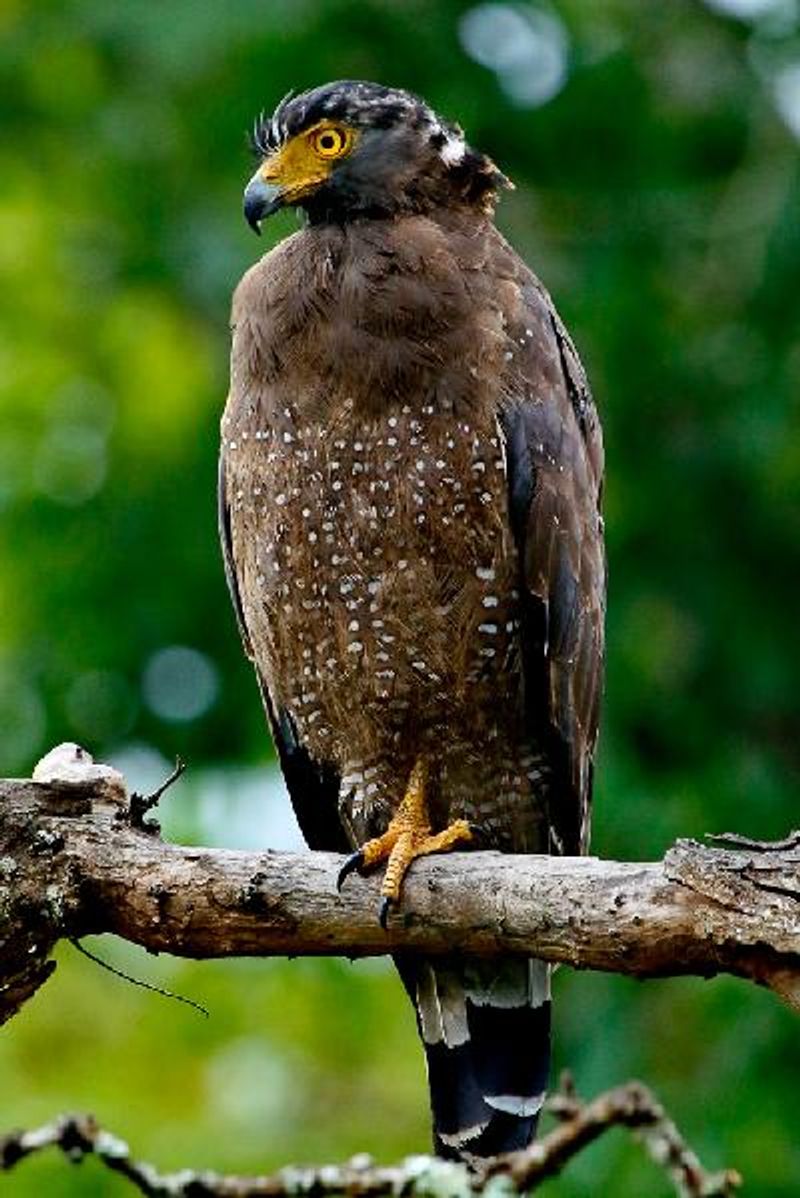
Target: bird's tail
[(485, 1026)]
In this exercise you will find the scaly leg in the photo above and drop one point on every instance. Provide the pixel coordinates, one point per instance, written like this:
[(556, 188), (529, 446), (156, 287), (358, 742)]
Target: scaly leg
[(408, 836)]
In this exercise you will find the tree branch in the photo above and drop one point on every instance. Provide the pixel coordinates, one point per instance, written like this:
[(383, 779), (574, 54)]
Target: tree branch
[(73, 864), (631, 1106)]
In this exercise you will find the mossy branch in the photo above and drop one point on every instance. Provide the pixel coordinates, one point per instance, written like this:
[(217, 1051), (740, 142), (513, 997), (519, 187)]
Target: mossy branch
[(579, 1123)]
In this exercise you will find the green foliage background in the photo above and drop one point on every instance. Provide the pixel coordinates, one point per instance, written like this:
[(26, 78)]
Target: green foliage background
[(657, 196)]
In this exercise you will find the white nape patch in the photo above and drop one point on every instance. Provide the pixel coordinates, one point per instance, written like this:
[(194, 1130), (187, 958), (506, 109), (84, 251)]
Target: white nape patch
[(514, 1104), (453, 151)]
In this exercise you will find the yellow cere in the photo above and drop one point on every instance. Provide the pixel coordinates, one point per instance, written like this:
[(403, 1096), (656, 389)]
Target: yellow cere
[(305, 162)]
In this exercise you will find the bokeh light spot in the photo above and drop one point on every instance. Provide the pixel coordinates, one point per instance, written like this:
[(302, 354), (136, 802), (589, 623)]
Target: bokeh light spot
[(746, 10), (526, 47), (179, 683), (786, 91), (70, 465), (256, 1082), (142, 765)]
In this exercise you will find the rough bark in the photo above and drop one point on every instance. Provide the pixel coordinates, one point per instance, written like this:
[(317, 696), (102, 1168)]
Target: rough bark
[(75, 859)]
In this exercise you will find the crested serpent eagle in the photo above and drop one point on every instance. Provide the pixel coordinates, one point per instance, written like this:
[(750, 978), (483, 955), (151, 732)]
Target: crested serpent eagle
[(410, 491)]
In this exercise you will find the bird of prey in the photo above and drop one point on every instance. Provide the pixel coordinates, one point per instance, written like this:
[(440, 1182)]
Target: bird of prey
[(410, 489)]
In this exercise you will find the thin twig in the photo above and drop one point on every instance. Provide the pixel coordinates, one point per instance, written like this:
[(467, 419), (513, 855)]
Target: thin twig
[(632, 1106), (127, 977), (141, 804)]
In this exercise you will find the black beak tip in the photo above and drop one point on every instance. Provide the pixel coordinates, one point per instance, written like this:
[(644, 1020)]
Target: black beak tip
[(253, 208), (260, 201)]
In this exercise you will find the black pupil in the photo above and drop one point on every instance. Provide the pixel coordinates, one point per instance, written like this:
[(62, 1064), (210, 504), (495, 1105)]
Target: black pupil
[(327, 141)]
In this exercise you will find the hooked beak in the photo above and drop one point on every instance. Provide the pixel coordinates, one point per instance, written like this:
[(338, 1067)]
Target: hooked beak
[(260, 201)]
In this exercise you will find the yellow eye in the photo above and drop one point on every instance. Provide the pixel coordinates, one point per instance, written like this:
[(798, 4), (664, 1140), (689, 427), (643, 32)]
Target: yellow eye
[(331, 141)]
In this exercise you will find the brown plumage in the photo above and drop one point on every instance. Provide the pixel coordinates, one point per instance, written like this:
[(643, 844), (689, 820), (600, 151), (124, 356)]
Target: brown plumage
[(410, 508)]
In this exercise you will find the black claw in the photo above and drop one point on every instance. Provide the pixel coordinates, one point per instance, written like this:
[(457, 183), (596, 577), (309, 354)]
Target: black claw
[(353, 862), (383, 913)]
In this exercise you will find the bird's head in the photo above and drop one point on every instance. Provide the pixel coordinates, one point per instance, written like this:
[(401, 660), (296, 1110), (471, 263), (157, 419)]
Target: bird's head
[(352, 150)]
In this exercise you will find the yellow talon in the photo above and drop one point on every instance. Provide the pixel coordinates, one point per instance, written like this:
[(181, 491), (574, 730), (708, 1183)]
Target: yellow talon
[(409, 836)]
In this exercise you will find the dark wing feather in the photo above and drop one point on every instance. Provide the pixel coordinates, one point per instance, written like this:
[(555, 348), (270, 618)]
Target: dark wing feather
[(313, 785), (555, 467)]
